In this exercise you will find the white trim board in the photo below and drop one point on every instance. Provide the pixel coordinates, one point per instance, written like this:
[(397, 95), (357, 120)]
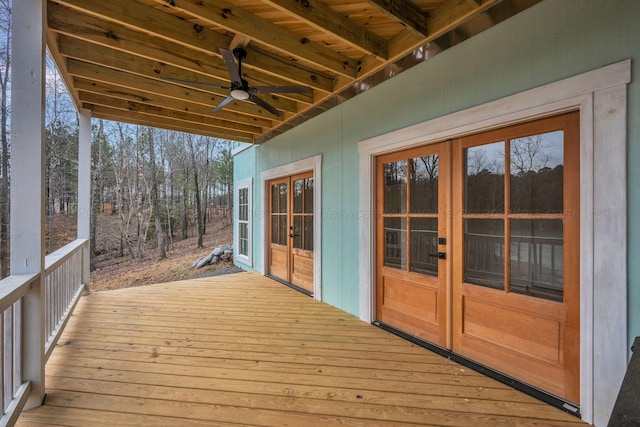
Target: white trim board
[(313, 164), (600, 96)]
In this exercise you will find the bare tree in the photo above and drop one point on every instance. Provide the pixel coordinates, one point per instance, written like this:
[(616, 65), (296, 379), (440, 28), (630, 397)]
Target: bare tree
[(155, 204), (196, 191), (5, 67)]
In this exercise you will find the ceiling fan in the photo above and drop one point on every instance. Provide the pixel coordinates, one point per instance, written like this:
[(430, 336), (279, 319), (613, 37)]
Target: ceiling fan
[(240, 88)]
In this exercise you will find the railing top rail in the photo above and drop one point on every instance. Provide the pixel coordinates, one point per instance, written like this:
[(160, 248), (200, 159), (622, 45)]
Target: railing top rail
[(14, 287), (53, 260)]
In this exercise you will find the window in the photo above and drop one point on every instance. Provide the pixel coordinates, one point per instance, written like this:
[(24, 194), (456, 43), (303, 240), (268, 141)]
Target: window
[(243, 214)]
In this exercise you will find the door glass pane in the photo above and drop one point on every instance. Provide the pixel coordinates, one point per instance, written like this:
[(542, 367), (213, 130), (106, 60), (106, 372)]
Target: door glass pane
[(283, 229), (484, 179), (275, 233), (298, 187), (243, 229), (297, 231), (484, 252), (537, 167), (308, 195), (424, 242), (308, 232), (283, 198), (423, 184), (274, 198), (537, 258), (395, 187), (395, 243)]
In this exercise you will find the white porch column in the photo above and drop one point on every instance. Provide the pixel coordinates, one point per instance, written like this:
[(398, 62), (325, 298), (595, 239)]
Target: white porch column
[(84, 190), (27, 180)]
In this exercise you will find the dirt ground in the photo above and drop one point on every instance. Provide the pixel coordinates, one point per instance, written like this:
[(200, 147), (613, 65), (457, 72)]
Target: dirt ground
[(116, 273)]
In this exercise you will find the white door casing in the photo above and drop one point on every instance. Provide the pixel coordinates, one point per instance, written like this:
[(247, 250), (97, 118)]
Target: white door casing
[(310, 164)]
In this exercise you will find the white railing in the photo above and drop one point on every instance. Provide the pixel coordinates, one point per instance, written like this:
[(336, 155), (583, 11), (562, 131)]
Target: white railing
[(63, 281), (13, 391), (63, 285)]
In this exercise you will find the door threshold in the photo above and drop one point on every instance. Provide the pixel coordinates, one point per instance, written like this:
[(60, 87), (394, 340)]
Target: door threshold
[(291, 285), (498, 376)]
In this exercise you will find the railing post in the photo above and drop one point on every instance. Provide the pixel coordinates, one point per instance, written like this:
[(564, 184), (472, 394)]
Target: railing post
[(27, 181), (84, 191)]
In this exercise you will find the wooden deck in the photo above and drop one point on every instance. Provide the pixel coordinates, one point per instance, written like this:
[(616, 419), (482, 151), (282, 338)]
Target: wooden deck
[(242, 350)]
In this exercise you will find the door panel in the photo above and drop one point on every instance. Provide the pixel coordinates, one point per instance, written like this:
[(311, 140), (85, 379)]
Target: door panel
[(512, 300), (279, 229), (291, 231), (516, 272), (412, 204)]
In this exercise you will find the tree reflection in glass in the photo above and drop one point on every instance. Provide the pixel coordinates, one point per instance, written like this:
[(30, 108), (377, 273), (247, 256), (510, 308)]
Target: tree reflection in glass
[(484, 179)]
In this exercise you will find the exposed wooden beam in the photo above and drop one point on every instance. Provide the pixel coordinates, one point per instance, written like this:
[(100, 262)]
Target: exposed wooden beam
[(404, 11), (157, 100), (126, 62), (121, 78), (177, 117), (156, 23), (325, 19), (69, 22), (236, 19), (66, 21), (106, 113)]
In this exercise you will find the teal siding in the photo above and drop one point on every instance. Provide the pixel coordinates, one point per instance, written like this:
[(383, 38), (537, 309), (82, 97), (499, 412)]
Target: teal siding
[(244, 166), (550, 41)]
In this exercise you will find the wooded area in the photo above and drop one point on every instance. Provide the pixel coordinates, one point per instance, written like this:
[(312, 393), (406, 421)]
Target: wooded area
[(160, 184)]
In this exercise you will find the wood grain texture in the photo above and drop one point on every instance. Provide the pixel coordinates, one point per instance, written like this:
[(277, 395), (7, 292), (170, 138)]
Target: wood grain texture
[(243, 350), (326, 45)]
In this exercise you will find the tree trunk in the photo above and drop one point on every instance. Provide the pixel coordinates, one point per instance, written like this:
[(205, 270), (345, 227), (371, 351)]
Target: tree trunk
[(197, 193), (95, 199), (162, 253), (4, 171)]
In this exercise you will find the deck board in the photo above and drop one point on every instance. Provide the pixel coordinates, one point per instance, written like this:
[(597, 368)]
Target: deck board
[(243, 350)]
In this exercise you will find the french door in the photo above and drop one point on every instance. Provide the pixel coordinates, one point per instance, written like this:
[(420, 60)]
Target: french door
[(478, 249), (291, 230)]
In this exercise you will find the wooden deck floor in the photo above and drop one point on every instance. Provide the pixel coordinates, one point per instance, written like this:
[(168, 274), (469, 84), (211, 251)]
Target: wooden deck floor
[(242, 350)]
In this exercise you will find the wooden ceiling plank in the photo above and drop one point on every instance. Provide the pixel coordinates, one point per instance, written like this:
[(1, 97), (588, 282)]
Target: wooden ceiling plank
[(325, 19), (176, 116), (75, 24), (100, 55), (405, 12), (100, 112), (153, 99), (148, 20), (120, 78), (236, 19)]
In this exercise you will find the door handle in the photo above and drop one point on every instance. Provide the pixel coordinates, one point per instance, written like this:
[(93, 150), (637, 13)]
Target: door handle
[(294, 235), (439, 255)]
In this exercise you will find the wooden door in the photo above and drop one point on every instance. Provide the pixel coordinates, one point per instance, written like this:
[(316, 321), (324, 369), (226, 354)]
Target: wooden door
[(412, 196), (291, 230), (509, 199), (516, 252)]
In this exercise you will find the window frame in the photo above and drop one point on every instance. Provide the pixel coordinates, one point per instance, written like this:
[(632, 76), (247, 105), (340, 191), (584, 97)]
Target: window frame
[(246, 184)]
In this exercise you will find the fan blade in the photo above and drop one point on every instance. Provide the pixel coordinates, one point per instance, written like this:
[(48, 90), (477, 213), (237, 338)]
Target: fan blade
[(279, 89), (189, 82), (259, 102), (230, 62), (220, 106)]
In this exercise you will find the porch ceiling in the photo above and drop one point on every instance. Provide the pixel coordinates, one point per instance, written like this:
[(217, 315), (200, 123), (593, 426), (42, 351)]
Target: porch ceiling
[(114, 55)]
